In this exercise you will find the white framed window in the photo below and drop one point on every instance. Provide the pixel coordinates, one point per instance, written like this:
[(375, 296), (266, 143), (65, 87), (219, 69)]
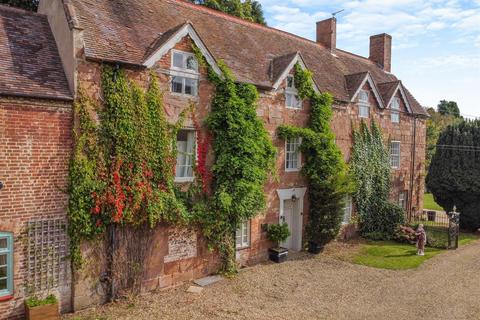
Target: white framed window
[(395, 110), (185, 156), (184, 71), (347, 210), (6, 264), (395, 154), (293, 156), (402, 199), (363, 104), (242, 236), (291, 94)]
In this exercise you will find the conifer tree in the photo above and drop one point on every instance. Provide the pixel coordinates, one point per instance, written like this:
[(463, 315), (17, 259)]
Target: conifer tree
[(454, 174)]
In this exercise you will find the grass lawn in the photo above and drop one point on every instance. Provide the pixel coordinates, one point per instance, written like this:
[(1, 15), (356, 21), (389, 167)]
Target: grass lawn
[(430, 204), (392, 255)]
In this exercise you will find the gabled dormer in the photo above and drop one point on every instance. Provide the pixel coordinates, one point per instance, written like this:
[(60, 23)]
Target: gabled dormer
[(364, 93), (395, 99), (282, 72)]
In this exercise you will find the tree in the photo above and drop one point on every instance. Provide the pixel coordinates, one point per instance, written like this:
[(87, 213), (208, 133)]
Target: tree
[(250, 10), (448, 108), (31, 5), (454, 174), (435, 125)]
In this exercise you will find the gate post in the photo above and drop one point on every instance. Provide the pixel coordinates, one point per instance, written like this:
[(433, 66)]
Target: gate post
[(453, 228)]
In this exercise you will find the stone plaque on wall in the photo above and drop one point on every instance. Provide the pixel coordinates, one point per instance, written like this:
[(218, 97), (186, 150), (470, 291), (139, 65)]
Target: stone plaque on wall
[(182, 244)]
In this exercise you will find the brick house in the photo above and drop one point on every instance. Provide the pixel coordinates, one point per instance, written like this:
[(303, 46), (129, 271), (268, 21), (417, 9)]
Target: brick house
[(142, 36), (35, 144)]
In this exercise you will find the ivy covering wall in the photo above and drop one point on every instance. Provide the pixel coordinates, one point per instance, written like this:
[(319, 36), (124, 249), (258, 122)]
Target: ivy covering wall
[(244, 157), (327, 173), (121, 169), (370, 167)]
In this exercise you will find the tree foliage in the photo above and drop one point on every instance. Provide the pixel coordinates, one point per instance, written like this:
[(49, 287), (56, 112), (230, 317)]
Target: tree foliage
[(31, 5), (454, 174), (250, 10), (324, 166), (370, 166), (448, 108), (436, 123)]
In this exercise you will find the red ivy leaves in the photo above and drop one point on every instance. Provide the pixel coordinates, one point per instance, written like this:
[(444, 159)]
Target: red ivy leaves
[(203, 145)]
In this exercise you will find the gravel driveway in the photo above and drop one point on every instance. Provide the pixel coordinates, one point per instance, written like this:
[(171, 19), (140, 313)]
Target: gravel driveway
[(323, 287)]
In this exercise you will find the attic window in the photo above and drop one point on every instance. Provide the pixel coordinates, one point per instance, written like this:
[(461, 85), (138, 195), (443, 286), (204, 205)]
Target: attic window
[(291, 95), (395, 110), (363, 104), (184, 71)]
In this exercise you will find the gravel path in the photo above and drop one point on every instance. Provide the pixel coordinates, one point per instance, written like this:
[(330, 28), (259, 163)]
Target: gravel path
[(445, 287)]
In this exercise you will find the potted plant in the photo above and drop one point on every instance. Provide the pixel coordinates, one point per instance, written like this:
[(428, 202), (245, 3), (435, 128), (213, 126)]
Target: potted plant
[(42, 309), (278, 233)]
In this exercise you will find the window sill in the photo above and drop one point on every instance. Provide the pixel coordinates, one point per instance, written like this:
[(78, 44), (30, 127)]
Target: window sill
[(293, 108), (184, 95), (6, 298), (293, 170), (184, 180), (242, 248)]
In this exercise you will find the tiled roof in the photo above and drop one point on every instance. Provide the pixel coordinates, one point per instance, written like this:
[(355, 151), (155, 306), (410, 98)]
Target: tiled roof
[(279, 64), (354, 81), (125, 30), (387, 90), (30, 65)]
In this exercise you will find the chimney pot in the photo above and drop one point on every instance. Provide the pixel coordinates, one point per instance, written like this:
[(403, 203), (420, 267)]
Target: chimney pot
[(327, 33), (381, 51)]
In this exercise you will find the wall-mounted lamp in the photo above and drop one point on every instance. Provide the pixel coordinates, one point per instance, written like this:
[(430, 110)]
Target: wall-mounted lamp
[(1, 185), (294, 198)]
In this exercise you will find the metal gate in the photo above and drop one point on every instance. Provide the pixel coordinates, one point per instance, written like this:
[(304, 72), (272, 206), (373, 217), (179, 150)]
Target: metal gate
[(442, 228)]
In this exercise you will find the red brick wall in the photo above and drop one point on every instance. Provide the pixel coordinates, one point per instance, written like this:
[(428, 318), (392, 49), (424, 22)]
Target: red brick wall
[(35, 142)]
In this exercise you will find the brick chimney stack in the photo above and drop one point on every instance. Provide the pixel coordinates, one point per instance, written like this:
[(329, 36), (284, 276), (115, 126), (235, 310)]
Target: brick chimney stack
[(327, 33), (381, 51)]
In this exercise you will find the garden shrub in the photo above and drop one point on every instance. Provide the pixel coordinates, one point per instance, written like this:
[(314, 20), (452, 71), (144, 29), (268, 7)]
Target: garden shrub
[(278, 233)]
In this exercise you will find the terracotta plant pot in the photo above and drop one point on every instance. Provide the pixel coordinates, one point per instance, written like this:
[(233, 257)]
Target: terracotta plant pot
[(278, 255), (46, 312)]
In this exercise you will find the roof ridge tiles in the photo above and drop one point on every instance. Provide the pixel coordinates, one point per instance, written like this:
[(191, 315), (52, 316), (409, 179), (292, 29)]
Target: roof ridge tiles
[(355, 55), (241, 21)]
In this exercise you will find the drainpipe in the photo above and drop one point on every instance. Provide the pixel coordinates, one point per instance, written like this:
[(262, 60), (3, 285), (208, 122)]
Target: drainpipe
[(412, 169)]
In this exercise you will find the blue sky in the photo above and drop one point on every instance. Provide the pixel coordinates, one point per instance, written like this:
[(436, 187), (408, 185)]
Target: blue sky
[(436, 43)]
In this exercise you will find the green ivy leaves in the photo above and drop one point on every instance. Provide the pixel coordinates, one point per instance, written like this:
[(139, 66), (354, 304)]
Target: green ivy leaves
[(324, 167)]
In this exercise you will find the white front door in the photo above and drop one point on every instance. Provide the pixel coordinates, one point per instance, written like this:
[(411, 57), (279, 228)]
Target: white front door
[(291, 215)]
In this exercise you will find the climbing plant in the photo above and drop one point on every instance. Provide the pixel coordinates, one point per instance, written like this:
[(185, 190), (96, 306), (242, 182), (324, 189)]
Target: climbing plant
[(244, 157), (370, 167), (324, 167), (121, 169)]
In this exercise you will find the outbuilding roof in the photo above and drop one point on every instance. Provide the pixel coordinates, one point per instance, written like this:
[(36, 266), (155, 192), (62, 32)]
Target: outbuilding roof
[(30, 65)]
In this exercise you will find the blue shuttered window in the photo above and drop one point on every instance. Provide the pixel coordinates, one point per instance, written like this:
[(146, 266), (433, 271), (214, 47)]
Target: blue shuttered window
[(6, 264)]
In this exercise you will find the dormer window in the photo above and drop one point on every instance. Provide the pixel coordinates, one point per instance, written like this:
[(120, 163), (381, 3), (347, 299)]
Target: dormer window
[(184, 71), (291, 94), (395, 110), (363, 104)]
